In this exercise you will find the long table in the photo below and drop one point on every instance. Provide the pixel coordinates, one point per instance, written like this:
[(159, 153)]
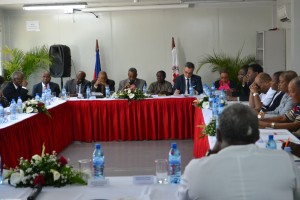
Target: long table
[(96, 120), (118, 188)]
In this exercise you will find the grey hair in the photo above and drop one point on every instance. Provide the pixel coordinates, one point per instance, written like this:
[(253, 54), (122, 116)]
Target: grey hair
[(15, 74), (239, 122)]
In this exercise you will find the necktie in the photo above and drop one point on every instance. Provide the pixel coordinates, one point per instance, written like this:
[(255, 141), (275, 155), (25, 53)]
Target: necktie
[(188, 85)]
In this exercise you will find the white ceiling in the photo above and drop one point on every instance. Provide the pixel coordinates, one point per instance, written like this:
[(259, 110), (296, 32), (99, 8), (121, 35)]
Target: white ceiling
[(17, 4)]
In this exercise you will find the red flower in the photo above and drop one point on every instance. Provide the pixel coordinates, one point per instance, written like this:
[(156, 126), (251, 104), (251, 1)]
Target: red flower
[(39, 180), (296, 109), (40, 104), (63, 161)]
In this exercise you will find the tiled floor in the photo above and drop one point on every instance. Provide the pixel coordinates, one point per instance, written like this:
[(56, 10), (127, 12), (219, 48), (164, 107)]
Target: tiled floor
[(130, 157)]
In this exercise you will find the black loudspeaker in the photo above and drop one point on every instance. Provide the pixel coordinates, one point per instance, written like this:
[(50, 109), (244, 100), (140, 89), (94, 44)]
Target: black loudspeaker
[(61, 61)]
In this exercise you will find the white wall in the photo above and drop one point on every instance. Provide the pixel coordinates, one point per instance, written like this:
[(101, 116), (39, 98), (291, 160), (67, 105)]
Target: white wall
[(142, 39)]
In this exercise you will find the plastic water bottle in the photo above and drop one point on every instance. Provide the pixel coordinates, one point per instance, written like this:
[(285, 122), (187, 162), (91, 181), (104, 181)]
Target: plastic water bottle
[(98, 162), (107, 91), (88, 93), (64, 94), (1, 114), (215, 108), (13, 110), (223, 97), (220, 109), (271, 144), (174, 164), (19, 105), (37, 97), (213, 88), (145, 88), (191, 89), (210, 99)]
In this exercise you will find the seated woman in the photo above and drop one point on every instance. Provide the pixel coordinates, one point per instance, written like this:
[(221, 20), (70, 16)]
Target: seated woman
[(224, 83)]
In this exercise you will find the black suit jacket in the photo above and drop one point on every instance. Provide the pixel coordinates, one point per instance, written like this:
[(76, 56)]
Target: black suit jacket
[(38, 88), (101, 88), (196, 82), (10, 92)]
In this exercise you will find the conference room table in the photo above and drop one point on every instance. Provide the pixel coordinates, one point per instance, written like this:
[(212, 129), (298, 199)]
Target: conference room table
[(118, 188), (160, 118)]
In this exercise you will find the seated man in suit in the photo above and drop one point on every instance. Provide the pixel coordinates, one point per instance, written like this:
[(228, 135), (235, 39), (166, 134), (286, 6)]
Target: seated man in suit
[(161, 86), (291, 119), (45, 84), (15, 89), (77, 87), (239, 169), (99, 84), (183, 81), (132, 81)]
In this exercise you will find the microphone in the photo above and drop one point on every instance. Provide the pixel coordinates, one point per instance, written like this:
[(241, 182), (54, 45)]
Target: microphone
[(35, 192)]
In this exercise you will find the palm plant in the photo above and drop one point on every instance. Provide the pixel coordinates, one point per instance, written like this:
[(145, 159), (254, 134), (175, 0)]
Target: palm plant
[(35, 59), (219, 61)]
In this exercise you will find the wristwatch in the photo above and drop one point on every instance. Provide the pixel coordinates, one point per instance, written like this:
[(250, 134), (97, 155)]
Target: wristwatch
[(254, 94), (273, 124)]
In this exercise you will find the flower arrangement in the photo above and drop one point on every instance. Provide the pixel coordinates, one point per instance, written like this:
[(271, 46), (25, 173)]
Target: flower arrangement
[(130, 93), (44, 169), (202, 103), (34, 106), (209, 129)]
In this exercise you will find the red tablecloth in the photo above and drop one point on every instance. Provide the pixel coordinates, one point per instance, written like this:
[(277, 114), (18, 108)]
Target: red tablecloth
[(24, 139), (94, 120), (201, 144), (151, 119)]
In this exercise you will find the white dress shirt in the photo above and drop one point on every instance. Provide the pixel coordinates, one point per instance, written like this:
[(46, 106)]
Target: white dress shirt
[(267, 98), (243, 172)]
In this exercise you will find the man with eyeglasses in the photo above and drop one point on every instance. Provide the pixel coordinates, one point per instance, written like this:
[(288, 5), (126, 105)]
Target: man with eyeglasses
[(187, 79)]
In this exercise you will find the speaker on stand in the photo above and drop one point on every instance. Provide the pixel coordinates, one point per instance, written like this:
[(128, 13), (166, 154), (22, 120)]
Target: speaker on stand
[(61, 61)]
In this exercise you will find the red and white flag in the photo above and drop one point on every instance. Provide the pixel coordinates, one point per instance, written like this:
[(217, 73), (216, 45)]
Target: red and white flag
[(175, 65)]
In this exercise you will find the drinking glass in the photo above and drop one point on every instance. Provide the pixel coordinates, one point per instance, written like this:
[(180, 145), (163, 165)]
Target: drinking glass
[(161, 166), (85, 168), (53, 96)]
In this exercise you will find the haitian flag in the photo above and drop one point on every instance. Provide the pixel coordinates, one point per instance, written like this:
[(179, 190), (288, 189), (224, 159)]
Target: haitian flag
[(97, 64)]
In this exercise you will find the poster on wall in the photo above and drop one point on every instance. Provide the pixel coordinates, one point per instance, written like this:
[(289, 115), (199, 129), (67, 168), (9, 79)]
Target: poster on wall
[(32, 25)]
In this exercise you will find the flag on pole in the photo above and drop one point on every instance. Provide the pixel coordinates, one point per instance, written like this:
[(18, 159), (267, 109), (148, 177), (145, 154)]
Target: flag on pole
[(97, 64), (175, 65)]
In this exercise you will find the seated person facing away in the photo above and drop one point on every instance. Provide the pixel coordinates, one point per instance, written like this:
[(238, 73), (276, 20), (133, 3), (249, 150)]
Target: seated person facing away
[(277, 96), (290, 120), (78, 85), (224, 83), (101, 82), (132, 81), (286, 102), (16, 88), (161, 86), (45, 84), (261, 92), (240, 169), (183, 81)]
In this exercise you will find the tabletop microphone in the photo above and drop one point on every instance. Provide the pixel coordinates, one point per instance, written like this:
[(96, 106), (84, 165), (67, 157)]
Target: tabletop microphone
[(35, 192)]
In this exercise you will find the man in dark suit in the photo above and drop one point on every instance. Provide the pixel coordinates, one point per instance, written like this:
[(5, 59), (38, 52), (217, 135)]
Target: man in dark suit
[(14, 89), (99, 84), (132, 81), (45, 84), (78, 85), (183, 81)]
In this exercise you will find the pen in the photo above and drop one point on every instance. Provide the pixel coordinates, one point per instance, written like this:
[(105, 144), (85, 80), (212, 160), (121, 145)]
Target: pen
[(287, 142)]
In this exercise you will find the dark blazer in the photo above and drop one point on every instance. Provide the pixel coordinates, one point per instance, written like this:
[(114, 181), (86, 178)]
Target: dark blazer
[(70, 86), (243, 92), (274, 103), (139, 84), (38, 88), (101, 88), (10, 92), (196, 82)]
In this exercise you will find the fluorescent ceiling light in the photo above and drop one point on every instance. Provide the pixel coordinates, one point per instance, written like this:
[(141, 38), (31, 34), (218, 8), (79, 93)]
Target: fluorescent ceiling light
[(55, 6), (128, 8)]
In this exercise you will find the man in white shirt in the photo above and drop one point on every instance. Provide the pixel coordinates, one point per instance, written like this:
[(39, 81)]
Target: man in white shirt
[(240, 169), (261, 92)]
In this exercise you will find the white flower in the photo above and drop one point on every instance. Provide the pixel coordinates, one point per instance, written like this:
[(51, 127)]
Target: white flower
[(131, 96), (37, 158), (205, 105), (56, 174), (16, 177), (28, 170), (33, 102), (29, 110), (35, 110)]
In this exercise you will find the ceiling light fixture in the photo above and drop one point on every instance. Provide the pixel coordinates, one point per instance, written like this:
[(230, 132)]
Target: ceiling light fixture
[(131, 8), (55, 6)]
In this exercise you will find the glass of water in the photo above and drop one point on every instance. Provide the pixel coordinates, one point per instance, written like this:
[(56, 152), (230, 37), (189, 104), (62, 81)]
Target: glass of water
[(161, 169)]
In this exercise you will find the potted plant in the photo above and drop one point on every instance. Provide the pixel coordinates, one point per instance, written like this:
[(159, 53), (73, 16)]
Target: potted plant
[(29, 62), (219, 61)]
